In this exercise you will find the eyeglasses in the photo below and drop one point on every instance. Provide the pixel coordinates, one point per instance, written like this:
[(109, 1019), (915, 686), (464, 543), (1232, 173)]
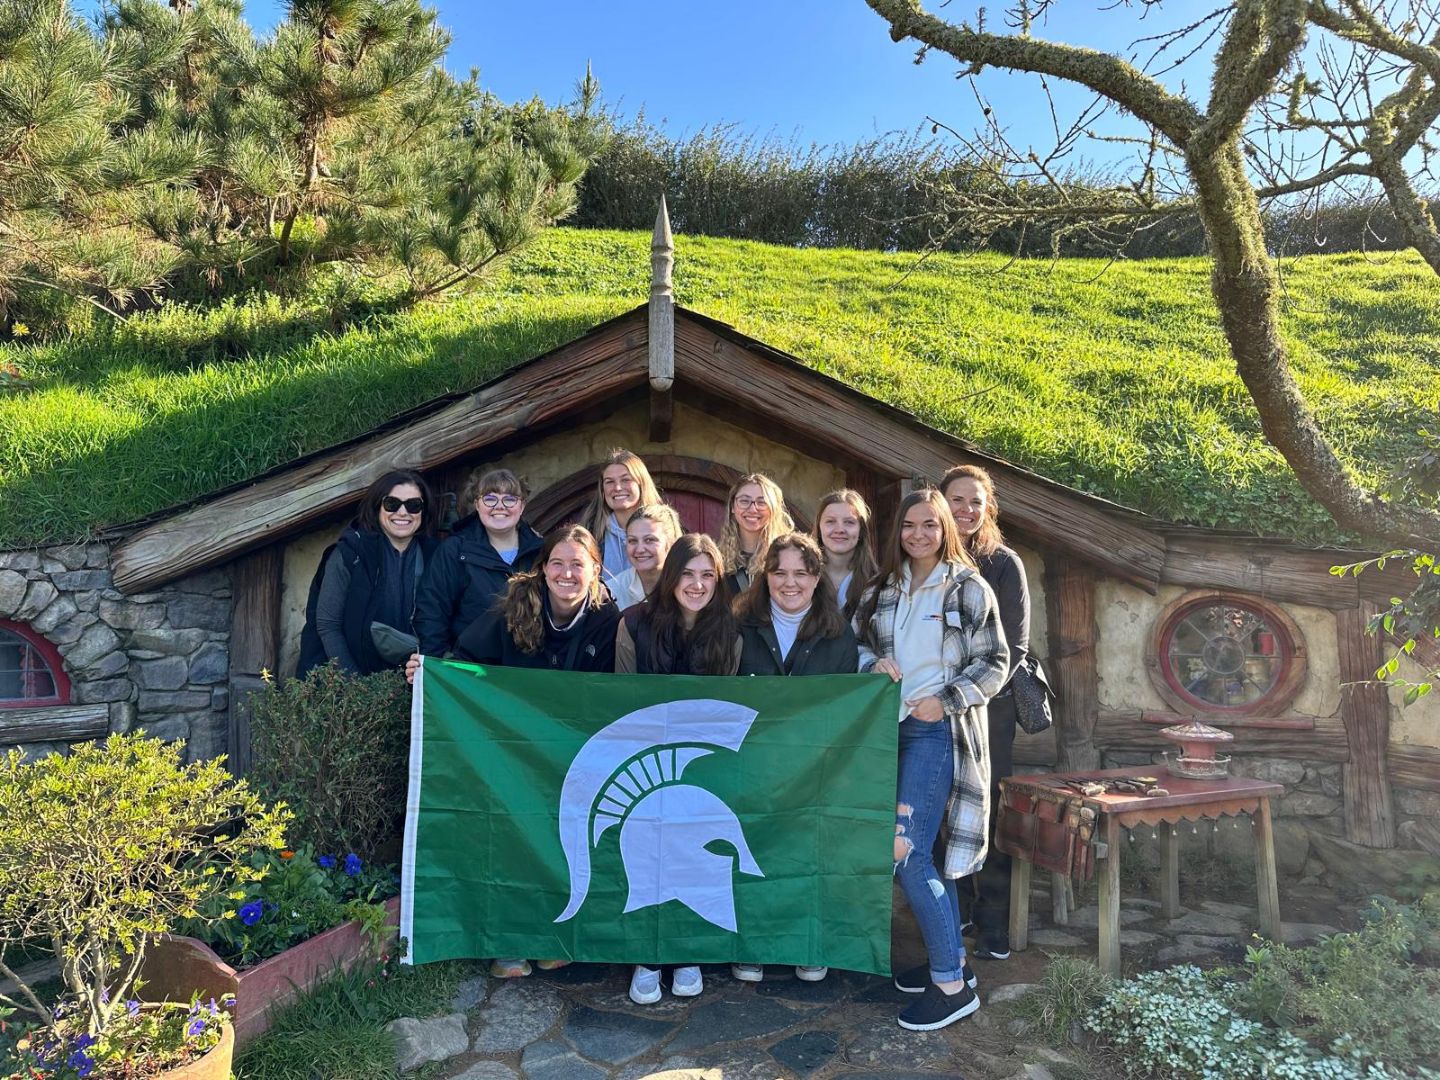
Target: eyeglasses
[(509, 502), (391, 503), (744, 502)]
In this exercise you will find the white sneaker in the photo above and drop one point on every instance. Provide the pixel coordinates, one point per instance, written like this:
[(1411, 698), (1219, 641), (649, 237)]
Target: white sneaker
[(645, 985), (811, 974), (687, 982), (748, 972)]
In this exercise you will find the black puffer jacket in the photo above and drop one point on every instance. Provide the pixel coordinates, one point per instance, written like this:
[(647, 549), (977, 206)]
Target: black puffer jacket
[(760, 653), (364, 557), (587, 646), (464, 581)]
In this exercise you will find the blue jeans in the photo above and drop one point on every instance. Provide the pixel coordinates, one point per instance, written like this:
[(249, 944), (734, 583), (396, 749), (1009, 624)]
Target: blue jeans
[(927, 770)]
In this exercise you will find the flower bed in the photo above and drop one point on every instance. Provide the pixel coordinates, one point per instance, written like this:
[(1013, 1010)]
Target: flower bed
[(178, 966)]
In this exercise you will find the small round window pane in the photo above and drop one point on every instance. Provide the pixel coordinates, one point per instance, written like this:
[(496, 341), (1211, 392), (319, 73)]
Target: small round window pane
[(1226, 653), (25, 673)]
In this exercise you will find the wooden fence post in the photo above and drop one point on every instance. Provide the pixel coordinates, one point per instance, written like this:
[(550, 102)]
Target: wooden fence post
[(1070, 610), (1365, 711), (254, 641)]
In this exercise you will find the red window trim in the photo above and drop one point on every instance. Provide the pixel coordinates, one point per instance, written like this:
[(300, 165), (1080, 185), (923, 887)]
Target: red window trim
[(53, 662)]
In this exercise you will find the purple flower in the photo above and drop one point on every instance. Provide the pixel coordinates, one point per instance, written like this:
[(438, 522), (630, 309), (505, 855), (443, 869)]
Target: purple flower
[(352, 864), (133, 1008), (327, 861), (84, 1042), (197, 1027), (81, 1062), (214, 1009), (251, 912)]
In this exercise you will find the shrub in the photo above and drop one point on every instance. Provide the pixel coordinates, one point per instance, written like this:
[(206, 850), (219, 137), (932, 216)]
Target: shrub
[(297, 897), (334, 747), (1358, 990), (109, 845), (1181, 1024)]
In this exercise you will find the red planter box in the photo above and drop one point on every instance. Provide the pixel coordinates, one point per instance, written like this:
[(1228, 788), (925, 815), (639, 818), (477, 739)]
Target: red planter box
[(175, 968)]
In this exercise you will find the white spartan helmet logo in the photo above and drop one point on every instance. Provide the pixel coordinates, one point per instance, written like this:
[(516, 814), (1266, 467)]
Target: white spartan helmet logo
[(628, 774)]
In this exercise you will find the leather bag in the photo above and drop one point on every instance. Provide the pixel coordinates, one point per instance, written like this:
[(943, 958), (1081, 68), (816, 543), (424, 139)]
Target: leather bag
[(1031, 691)]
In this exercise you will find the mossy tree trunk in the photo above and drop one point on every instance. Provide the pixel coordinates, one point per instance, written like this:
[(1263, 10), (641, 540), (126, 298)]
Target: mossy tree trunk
[(1261, 39)]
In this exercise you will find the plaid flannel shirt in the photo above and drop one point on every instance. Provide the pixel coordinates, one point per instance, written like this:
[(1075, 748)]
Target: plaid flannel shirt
[(977, 662)]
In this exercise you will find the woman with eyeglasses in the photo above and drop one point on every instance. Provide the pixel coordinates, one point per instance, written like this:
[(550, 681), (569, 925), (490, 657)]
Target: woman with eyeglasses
[(755, 516), (361, 609), (473, 566), (624, 486)]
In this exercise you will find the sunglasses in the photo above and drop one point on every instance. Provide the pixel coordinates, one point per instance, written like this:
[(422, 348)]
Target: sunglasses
[(509, 502), (391, 503)]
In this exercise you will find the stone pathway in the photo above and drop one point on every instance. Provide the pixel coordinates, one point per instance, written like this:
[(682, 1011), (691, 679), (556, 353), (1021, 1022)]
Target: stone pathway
[(579, 1024)]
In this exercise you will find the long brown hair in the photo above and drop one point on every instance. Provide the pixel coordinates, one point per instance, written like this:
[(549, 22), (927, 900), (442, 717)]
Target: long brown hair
[(597, 514), (862, 559), (893, 557), (824, 619), (987, 539), (780, 523), (710, 644), (524, 602)]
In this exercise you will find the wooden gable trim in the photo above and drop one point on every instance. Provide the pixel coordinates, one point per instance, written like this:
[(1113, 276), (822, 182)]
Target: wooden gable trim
[(607, 361), (841, 420)]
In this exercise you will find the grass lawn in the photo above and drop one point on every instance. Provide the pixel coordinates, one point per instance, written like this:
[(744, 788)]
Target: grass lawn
[(1116, 383)]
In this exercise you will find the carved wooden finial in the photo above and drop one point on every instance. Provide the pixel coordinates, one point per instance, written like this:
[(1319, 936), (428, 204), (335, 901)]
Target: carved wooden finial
[(662, 302)]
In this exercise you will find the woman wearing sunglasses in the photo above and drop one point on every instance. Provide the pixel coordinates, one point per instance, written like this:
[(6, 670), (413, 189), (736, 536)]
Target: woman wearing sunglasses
[(361, 609), (472, 568)]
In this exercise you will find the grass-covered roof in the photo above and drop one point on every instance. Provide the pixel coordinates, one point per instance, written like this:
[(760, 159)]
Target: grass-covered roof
[(1113, 382)]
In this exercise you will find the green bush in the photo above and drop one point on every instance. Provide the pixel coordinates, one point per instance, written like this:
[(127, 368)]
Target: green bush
[(105, 847), (1358, 1005), (298, 896), (334, 747), (1358, 990)]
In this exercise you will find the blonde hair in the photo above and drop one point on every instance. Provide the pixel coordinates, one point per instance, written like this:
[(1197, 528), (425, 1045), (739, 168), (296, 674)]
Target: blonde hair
[(780, 524), (524, 601), (597, 514), (501, 481), (661, 514)]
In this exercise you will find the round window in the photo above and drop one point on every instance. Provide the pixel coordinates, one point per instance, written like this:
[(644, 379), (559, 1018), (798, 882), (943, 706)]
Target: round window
[(1226, 653), (31, 672)]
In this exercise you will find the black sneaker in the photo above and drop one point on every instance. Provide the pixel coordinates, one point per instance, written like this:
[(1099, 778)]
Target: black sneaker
[(993, 946), (938, 1009), (917, 979)]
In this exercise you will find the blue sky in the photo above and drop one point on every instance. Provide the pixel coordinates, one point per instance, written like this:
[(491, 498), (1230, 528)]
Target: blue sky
[(813, 70)]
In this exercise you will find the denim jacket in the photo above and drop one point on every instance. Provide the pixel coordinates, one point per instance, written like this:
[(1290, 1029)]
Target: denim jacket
[(977, 662)]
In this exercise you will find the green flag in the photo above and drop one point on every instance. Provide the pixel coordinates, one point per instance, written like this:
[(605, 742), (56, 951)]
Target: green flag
[(650, 819)]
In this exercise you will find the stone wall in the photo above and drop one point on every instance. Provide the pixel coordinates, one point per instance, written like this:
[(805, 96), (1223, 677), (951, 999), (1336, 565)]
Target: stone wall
[(158, 660)]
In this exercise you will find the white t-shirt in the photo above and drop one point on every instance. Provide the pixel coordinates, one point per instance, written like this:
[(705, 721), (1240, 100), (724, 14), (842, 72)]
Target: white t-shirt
[(920, 637), (627, 589)]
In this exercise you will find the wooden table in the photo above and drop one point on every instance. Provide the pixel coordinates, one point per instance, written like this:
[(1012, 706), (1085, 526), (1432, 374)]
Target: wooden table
[(1189, 800)]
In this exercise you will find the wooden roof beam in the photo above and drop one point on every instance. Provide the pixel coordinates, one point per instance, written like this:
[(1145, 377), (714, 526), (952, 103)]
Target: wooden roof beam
[(840, 419), (604, 362)]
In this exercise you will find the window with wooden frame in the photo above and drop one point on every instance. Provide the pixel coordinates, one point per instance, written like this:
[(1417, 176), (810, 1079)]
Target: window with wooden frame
[(1226, 655), (31, 672)]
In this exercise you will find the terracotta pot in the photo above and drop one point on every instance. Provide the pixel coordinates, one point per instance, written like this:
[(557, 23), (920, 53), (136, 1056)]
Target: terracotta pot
[(176, 968), (213, 1066)]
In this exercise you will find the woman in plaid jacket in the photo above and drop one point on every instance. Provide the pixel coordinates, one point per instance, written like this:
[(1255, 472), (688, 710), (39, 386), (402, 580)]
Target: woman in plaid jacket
[(931, 623)]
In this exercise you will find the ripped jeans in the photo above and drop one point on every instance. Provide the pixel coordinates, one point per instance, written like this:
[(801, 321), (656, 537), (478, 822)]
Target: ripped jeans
[(927, 770)]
